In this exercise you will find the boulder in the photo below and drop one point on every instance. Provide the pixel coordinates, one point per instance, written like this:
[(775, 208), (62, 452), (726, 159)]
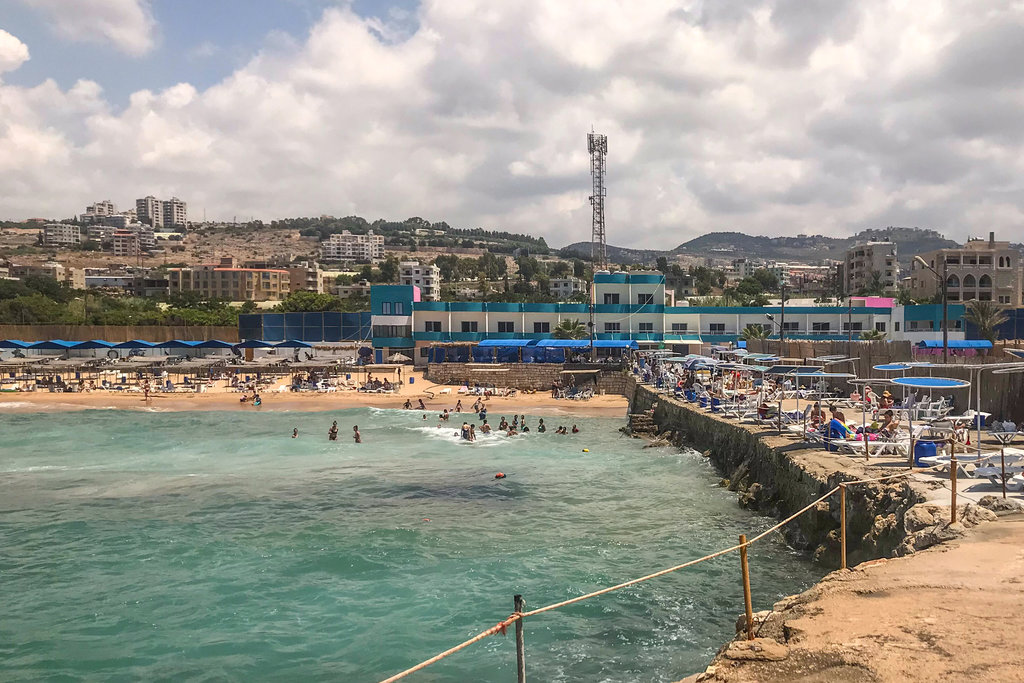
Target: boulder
[(1000, 505), (756, 650)]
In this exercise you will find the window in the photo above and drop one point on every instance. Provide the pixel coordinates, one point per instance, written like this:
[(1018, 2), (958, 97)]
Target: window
[(821, 327), (679, 327), (611, 327), (541, 328), (424, 351), (855, 327), (717, 328), (506, 326), (880, 327), (969, 281), (788, 327), (469, 325), (644, 299), (985, 281), (385, 308), (399, 308), (647, 327), (611, 298), (896, 326), (1004, 299), (391, 331), (432, 326)]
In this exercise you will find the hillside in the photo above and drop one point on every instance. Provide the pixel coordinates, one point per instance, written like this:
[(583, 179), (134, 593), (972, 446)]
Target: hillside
[(805, 248)]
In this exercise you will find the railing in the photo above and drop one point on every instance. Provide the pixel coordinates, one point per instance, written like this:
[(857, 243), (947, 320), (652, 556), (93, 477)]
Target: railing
[(518, 615)]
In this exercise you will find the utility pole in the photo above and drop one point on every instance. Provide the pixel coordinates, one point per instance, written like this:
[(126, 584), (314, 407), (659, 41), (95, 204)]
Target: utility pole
[(782, 317), (945, 310), (598, 147)]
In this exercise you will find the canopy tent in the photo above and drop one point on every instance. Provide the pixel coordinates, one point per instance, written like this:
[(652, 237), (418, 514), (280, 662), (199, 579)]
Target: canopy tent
[(563, 343), (293, 344), (214, 344), (13, 344), (931, 382), (53, 345), (956, 344), (135, 344), (177, 344), (254, 344), (94, 344), (1017, 353)]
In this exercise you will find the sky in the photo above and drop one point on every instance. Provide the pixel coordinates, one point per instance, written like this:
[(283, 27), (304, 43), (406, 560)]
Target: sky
[(773, 117)]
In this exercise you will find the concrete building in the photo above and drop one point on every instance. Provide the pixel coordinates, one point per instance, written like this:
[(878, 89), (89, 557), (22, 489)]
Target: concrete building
[(356, 289), (866, 262), (982, 270), (225, 281), (98, 212), (157, 213), (348, 247), (61, 235), (132, 240), (564, 287), (427, 278), (73, 278), (305, 276)]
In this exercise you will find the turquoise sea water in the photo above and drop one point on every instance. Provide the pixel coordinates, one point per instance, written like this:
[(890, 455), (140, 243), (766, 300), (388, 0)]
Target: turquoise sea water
[(212, 546)]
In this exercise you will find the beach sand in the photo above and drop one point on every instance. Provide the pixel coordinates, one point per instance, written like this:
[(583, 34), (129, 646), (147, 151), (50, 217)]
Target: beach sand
[(220, 398)]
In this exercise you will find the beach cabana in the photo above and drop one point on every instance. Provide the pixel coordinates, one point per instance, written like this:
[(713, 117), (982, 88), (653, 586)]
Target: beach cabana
[(94, 344), (214, 344), (615, 344), (13, 344), (293, 344), (253, 344), (177, 344), (53, 345)]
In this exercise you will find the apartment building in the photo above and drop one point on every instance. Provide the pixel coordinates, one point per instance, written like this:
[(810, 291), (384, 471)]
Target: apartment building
[(864, 263), (982, 270), (225, 281), (73, 278), (348, 247), (158, 213), (132, 240), (61, 235), (98, 212), (564, 287), (427, 278)]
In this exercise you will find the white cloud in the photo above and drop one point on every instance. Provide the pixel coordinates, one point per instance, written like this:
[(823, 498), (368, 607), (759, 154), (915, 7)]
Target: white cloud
[(13, 52), (781, 116), (125, 25)]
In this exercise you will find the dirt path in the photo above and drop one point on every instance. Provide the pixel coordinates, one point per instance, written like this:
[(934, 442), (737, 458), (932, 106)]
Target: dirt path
[(954, 612)]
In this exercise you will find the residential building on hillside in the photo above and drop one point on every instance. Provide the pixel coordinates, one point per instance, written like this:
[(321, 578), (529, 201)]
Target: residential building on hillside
[(157, 213), (73, 278), (427, 278), (868, 263), (132, 240), (345, 246), (356, 289), (225, 281), (565, 287), (982, 270), (742, 268), (98, 212), (305, 276), (61, 235)]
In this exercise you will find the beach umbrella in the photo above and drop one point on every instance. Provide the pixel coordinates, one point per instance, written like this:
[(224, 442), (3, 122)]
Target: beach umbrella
[(135, 344), (94, 344), (926, 383), (399, 358), (215, 344), (253, 344), (178, 344), (13, 344), (293, 344)]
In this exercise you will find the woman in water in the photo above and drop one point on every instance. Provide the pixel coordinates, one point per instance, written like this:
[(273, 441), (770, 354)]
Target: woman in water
[(295, 433), (421, 406), (458, 406), (485, 428), (575, 430), (332, 433), (356, 436), (540, 426)]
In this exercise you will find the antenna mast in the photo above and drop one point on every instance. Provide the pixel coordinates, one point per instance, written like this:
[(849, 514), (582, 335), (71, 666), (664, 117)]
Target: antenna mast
[(598, 146)]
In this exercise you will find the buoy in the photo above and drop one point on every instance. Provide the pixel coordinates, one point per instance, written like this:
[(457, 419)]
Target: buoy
[(499, 475), (426, 519), (586, 450)]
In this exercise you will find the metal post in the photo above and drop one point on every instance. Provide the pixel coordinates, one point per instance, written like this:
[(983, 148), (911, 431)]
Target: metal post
[(1002, 462), (519, 604), (746, 587), (842, 526), (945, 311), (782, 318), (952, 480)]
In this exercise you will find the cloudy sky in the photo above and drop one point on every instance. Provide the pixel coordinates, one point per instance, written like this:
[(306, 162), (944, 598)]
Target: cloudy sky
[(765, 116)]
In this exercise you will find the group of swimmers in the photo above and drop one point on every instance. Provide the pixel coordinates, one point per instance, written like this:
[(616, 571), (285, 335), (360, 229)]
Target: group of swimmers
[(332, 433)]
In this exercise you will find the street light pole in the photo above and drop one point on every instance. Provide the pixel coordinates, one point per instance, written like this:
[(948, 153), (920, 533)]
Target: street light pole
[(782, 318), (944, 280)]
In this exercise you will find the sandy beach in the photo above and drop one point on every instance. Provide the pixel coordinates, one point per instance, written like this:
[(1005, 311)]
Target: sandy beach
[(219, 397)]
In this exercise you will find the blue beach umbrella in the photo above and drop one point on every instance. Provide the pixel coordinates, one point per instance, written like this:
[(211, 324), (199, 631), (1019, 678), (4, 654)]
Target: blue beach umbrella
[(135, 344), (253, 344), (293, 344)]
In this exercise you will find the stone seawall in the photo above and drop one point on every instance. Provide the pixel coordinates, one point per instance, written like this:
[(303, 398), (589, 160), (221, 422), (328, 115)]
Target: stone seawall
[(531, 376), (777, 476)]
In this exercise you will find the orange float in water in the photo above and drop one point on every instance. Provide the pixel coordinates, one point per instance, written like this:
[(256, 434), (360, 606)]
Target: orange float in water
[(499, 475)]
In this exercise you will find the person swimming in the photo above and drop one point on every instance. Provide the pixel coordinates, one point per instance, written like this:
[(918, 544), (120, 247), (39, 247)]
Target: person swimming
[(485, 428), (540, 426), (356, 436), (465, 431), (332, 433), (295, 433), (472, 432), (575, 429)]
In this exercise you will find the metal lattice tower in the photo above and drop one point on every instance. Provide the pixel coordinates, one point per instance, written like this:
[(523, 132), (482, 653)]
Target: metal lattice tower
[(598, 146)]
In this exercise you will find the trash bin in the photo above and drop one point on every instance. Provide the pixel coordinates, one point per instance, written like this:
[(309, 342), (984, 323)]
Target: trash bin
[(412, 380), (924, 449)]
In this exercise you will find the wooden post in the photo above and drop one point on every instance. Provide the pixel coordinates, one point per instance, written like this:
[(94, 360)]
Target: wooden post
[(952, 481), (518, 604), (842, 526), (746, 587)]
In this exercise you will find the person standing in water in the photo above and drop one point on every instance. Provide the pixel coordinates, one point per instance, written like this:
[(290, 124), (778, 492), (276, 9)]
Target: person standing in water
[(458, 406), (472, 432), (540, 426), (332, 433), (295, 433), (421, 406), (356, 436)]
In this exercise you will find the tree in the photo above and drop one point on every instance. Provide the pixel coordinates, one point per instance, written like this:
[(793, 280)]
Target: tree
[(579, 268), (248, 307), (662, 265), (389, 270), (872, 335), (987, 317), (768, 281), (569, 329), (561, 269), (303, 301), (755, 331), (903, 297), (448, 264), (874, 285)]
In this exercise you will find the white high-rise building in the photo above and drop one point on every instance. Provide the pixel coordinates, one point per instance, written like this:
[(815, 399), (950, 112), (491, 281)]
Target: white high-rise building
[(158, 213), (427, 278), (348, 247), (61, 235)]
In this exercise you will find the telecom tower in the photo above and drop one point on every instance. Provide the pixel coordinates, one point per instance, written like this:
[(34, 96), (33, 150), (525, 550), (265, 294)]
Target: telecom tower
[(598, 146)]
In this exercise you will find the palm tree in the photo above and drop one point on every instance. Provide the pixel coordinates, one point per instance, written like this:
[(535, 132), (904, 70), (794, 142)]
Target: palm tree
[(872, 335), (754, 331), (570, 329), (986, 316)]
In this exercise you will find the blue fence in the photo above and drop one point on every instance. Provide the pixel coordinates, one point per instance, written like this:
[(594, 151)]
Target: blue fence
[(326, 326)]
